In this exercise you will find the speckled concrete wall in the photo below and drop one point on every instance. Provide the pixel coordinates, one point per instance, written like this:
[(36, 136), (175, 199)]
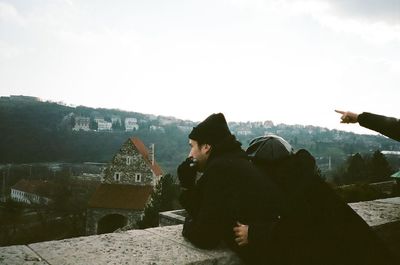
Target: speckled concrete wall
[(165, 245)]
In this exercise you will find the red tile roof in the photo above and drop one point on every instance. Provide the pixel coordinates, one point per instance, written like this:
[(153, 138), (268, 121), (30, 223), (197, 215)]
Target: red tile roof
[(145, 153), (39, 187), (120, 196)]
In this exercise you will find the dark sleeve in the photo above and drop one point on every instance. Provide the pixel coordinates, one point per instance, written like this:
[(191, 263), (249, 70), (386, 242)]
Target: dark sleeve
[(261, 233), (385, 125), (189, 200), (204, 227)]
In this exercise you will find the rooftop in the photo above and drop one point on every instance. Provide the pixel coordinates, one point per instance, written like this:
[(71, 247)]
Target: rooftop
[(40, 187), (146, 156), (120, 196)]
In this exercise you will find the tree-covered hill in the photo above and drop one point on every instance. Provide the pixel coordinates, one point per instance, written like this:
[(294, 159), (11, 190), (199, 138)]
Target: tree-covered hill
[(35, 131)]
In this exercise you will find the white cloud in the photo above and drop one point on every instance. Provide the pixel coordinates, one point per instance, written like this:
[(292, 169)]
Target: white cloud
[(230, 56), (69, 2), (9, 14), (377, 22), (374, 32), (382, 11), (387, 11), (395, 67), (8, 51)]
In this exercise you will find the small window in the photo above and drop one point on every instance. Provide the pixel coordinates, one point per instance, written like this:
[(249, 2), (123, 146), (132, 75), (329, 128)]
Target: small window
[(138, 177), (128, 160), (117, 176)]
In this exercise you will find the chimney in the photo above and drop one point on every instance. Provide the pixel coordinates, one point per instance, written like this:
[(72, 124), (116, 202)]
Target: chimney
[(152, 154)]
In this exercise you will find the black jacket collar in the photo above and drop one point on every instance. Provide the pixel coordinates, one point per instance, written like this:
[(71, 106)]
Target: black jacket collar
[(228, 145)]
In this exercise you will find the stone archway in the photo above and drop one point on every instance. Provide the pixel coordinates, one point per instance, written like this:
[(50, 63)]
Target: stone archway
[(110, 223)]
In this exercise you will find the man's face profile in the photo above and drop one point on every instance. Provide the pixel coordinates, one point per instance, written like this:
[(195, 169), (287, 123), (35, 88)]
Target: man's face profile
[(199, 152)]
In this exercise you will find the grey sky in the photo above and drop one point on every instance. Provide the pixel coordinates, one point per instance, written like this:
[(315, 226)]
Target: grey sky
[(290, 61), (378, 11)]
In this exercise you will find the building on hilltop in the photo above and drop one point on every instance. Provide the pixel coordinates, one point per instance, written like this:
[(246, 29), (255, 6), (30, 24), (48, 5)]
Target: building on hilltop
[(103, 125), (243, 131), (268, 124), (154, 128), (128, 182), (131, 124), (81, 123), (98, 118)]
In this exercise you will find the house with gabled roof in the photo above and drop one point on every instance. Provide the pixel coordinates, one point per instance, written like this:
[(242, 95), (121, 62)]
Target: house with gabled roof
[(134, 164), (128, 182), (32, 191)]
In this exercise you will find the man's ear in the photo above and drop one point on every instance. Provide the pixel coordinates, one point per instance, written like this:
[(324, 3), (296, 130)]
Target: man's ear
[(207, 148)]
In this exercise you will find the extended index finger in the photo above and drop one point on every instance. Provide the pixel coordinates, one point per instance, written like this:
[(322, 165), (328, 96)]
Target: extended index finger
[(340, 111)]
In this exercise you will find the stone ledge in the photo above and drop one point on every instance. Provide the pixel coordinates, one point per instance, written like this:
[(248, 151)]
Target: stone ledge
[(161, 245), (172, 217), (165, 245), (383, 216), (20, 255), (378, 212)]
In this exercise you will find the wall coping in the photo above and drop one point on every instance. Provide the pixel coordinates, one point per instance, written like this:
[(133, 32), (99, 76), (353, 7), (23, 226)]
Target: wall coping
[(161, 245)]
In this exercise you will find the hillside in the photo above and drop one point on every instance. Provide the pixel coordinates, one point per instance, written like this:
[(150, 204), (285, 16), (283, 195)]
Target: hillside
[(37, 131)]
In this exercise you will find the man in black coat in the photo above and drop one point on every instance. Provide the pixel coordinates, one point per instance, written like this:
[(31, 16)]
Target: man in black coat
[(229, 192), (388, 126)]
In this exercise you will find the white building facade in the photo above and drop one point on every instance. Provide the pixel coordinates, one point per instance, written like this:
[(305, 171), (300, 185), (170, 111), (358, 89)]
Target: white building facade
[(31, 192), (81, 123), (104, 125), (131, 124)]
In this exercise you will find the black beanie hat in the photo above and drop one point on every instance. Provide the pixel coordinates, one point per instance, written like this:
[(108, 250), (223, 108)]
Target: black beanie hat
[(212, 130)]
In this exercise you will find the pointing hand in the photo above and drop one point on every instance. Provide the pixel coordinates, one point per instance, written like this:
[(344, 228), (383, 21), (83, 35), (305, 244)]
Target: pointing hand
[(347, 116)]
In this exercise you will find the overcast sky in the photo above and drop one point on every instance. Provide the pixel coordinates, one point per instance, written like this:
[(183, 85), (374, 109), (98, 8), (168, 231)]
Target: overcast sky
[(289, 61)]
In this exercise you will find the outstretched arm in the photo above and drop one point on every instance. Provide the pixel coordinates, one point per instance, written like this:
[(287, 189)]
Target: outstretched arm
[(347, 116), (388, 126)]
